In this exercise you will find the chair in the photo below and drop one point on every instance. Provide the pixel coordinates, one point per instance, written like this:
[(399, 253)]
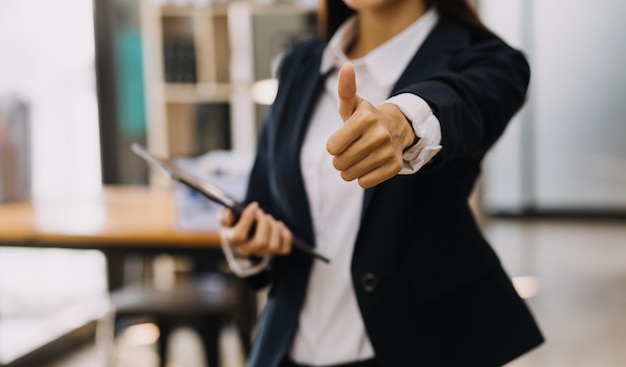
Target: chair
[(205, 303)]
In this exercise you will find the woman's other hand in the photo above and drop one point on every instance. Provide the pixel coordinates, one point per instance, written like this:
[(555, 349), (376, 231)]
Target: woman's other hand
[(255, 233), (369, 145)]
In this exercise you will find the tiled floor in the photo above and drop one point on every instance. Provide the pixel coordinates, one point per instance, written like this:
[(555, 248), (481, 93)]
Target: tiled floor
[(581, 304), (132, 351), (577, 268)]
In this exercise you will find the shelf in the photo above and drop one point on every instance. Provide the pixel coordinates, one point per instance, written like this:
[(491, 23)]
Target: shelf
[(197, 93), (281, 9), (189, 51), (190, 10)]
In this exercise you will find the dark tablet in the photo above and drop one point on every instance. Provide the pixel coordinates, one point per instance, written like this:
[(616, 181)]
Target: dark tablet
[(210, 191)]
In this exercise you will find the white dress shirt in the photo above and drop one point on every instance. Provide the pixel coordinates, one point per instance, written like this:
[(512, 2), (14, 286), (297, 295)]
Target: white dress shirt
[(331, 330)]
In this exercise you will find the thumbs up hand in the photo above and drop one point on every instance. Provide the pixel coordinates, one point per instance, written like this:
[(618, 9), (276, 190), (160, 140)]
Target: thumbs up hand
[(369, 145)]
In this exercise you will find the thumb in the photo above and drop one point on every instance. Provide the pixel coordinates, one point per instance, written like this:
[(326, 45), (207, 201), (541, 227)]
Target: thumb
[(346, 90)]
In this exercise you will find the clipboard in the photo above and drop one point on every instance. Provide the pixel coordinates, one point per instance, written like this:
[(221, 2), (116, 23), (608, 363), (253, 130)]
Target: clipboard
[(211, 192)]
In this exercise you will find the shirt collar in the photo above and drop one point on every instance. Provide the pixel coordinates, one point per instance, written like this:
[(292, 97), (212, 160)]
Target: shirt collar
[(400, 48)]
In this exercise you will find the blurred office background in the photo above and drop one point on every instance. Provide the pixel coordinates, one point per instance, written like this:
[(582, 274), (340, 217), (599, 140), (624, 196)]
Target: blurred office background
[(81, 80)]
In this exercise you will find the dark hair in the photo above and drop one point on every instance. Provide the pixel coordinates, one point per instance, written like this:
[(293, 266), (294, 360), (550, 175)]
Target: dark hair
[(333, 13)]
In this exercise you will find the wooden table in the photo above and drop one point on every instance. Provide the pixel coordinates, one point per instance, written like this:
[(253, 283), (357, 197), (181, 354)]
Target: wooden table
[(117, 221)]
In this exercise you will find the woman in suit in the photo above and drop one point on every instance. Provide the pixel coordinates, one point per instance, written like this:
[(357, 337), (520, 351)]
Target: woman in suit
[(376, 175)]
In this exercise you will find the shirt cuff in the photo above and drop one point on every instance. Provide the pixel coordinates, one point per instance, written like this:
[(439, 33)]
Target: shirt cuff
[(426, 127), (242, 266)]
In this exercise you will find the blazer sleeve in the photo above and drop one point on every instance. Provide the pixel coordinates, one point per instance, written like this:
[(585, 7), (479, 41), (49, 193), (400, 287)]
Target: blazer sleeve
[(258, 190), (260, 176), (475, 97)]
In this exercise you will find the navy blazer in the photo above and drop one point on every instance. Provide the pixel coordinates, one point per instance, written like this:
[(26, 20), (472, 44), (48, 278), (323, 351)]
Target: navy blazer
[(429, 287)]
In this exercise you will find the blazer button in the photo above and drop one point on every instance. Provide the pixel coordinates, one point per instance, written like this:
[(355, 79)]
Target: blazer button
[(369, 282)]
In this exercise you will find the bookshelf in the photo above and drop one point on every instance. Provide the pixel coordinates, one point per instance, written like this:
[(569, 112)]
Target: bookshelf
[(200, 62)]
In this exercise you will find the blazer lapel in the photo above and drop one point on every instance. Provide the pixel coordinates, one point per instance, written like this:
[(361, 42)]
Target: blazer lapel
[(289, 143), (434, 54)]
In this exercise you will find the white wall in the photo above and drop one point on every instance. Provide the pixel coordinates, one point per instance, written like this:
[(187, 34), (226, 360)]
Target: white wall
[(504, 181), (580, 104), (48, 59), (565, 151)]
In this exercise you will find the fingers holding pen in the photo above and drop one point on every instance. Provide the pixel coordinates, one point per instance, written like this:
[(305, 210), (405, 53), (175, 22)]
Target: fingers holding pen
[(259, 244), (286, 239), (272, 237), (257, 233), (239, 232)]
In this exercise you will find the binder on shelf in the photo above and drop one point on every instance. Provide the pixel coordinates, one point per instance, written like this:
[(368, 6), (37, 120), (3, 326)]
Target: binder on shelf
[(213, 127), (179, 58), (179, 50)]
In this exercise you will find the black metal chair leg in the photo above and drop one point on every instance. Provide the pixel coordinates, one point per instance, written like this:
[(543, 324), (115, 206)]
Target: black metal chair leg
[(209, 331), (165, 329)]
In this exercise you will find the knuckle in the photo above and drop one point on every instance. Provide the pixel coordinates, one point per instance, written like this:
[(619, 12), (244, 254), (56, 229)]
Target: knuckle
[(387, 175), (344, 114), (338, 163), (243, 251), (382, 137), (377, 158), (389, 155), (398, 166), (225, 217), (346, 176), (363, 183), (288, 237), (260, 253), (237, 237), (287, 243), (286, 246), (366, 115), (331, 145), (248, 212), (258, 243), (272, 243)]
